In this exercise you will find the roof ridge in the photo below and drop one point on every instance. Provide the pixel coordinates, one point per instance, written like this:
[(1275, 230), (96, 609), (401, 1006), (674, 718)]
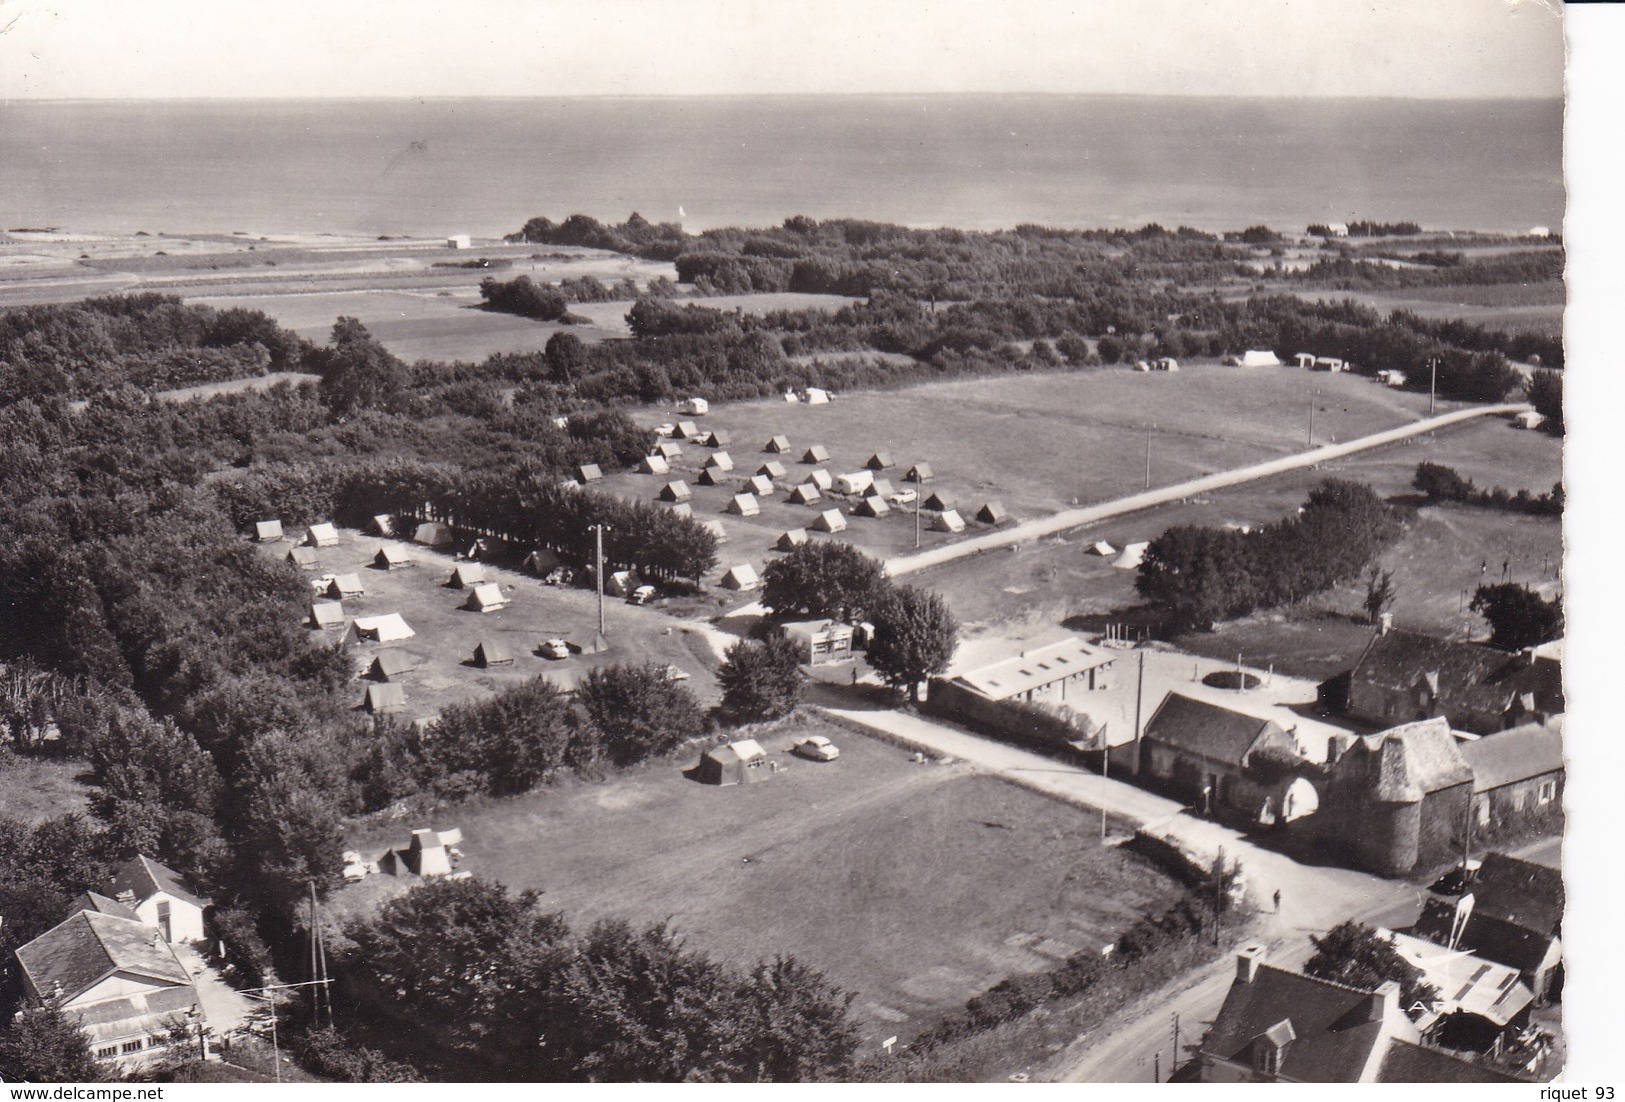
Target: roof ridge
[(1318, 979)]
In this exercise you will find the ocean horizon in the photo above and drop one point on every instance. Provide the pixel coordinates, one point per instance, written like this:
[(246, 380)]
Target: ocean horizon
[(483, 166)]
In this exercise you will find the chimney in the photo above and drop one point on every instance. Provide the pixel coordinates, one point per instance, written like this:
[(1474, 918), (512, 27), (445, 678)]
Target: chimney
[(1247, 962), (1384, 1002), (1385, 623)]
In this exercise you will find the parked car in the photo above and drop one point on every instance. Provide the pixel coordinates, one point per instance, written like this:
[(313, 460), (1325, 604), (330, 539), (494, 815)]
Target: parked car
[(903, 497), (554, 648), (642, 595), (676, 673), (816, 748)]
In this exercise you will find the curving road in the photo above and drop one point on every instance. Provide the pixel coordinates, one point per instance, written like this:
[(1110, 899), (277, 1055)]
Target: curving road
[(1089, 514)]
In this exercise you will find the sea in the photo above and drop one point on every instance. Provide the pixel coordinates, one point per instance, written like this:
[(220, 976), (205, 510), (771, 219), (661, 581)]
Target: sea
[(484, 166)]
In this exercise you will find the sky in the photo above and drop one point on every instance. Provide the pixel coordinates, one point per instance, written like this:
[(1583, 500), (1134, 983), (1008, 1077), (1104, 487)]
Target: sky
[(157, 49)]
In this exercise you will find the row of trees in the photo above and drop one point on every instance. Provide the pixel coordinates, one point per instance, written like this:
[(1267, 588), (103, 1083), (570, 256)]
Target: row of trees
[(1204, 575)]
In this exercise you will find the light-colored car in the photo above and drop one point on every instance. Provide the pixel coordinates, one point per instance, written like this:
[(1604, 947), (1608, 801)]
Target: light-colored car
[(642, 595), (554, 648), (676, 673), (903, 497), (816, 748)]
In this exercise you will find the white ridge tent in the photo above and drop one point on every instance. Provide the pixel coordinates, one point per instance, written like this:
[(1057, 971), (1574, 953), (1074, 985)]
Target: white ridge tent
[(949, 521), (388, 628), (433, 534), (1102, 548), (322, 535), (744, 505), (1133, 554), (741, 577), (268, 531), (486, 598)]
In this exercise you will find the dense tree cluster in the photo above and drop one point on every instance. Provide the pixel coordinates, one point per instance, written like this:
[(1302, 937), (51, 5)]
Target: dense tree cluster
[(523, 297), (1546, 395), (1204, 575), (1357, 955), (149, 341), (761, 678), (502, 991)]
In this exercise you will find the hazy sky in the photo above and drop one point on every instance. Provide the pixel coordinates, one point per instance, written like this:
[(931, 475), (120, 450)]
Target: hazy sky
[(189, 48)]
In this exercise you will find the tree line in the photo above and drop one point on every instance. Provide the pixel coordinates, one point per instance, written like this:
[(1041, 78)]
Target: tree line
[(1203, 575), (1442, 483)]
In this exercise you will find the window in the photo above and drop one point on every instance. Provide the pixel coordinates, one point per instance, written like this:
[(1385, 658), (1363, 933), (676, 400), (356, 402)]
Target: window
[(107, 1052), (1266, 1059), (1548, 791), (1484, 813), (132, 1046)]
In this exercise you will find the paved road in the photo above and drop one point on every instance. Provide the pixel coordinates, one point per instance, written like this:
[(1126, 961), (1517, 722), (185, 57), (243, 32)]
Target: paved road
[(1313, 898), (1076, 518)]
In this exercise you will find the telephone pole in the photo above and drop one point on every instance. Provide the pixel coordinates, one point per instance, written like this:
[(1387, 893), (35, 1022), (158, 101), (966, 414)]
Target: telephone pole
[(1433, 381), (1148, 459), (1139, 695), (1311, 440)]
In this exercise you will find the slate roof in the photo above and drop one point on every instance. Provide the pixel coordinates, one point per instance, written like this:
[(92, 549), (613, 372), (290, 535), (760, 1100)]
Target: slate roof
[(1468, 679), (1511, 756), (1414, 759), (1518, 891), (1405, 1062), (146, 878), (1199, 727), (94, 901), (1336, 1030), (1505, 942), (79, 951)]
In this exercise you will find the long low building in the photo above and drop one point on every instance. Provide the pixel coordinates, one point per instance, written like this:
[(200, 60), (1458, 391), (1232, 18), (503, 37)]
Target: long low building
[(1038, 695)]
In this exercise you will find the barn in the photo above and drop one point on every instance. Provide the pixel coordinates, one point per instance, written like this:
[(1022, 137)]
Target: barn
[(492, 652), (268, 531), (741, 762)]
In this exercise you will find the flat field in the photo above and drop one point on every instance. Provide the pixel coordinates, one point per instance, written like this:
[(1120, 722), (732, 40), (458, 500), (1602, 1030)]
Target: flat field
[(1036, 443), (446, 634), (915, 885), (1445, 550)]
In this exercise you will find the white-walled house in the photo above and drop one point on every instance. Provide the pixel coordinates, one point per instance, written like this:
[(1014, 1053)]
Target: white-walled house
[(160, 899)]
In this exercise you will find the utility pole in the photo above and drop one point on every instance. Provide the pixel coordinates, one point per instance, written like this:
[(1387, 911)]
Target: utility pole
[(1218, 894), (919, 501), (1176, 1040), (598, 572), (1433, 381), (268, 994), (1311, 440), (318, 966), (1139, 695), (1105, 775), (1148, 459), (1156, 1067)]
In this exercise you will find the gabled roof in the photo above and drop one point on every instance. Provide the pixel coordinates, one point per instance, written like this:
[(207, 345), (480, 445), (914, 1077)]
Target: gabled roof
[(1470, 681), (80, 951), (720, 461), (1465, 982), (1033, 668), (1199, 727), (1506, 942), (1518, 891), (1511, 756), (94, 901), (1336, 1031), (1405, 1062), (1414, 759), (146, 878)]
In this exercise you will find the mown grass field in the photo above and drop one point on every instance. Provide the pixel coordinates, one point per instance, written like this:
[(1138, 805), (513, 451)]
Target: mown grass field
[(1441, 553), (1036, 443), (915, 885), (1512, 306), (446, 634), (34, 789)]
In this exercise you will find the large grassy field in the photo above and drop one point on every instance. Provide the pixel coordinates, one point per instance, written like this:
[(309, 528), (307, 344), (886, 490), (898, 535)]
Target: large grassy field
[(446, 635), (1441, 553), (1037, 443), (1512, 306), (915, 885)]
